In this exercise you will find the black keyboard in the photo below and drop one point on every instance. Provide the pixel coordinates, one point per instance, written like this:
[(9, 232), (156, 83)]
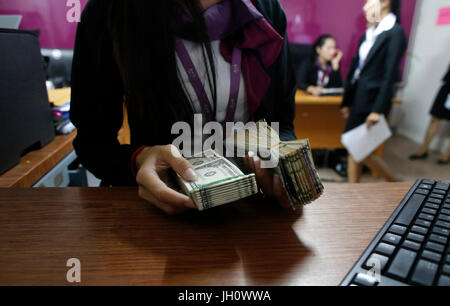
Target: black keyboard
[(413, 246)]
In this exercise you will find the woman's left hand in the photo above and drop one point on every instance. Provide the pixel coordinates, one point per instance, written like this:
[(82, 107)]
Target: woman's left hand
[(373, 119), (270, 185)]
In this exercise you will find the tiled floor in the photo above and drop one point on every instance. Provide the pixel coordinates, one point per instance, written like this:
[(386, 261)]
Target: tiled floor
[(396, 156)]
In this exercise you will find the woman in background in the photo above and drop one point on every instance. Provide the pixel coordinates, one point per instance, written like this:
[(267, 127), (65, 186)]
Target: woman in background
[(439, 112), (372, 77), (323, 70)]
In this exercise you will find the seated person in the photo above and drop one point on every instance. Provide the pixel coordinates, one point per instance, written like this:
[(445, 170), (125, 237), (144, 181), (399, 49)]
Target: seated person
[(323, 69)]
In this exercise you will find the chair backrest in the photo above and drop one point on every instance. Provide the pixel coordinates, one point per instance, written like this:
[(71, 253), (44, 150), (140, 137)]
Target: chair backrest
[(300, 53)]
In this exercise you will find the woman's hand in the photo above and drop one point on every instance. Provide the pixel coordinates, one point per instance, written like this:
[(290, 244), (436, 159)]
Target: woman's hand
[(153, 164), (335, 62), (315, 90), (271, 186), (345, 111), (373, 119)]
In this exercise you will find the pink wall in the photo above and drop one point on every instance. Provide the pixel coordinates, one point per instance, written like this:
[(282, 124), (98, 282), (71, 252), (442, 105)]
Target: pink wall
[(307, 19), (47, 15)]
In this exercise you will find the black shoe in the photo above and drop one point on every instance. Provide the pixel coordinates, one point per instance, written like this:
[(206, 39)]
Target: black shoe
[(442, 162), (417, 157)]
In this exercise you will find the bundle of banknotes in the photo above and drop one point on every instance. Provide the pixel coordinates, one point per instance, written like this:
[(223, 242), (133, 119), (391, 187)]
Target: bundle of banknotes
[(291, 161), (218, 181), (223, 180)]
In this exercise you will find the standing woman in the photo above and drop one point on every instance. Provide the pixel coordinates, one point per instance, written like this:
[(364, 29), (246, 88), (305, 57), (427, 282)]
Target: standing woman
[(169, 59), (439, 112), (323, 69), (372, 77)]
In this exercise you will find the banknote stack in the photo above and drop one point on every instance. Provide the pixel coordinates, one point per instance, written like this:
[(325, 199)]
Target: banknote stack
[(218, 181), (291, 161)]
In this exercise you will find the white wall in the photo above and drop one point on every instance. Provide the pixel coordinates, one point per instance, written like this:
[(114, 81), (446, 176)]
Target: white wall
[(428, 61)]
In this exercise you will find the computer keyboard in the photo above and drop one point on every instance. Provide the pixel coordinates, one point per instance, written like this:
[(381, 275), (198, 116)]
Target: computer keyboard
[(413, 247)]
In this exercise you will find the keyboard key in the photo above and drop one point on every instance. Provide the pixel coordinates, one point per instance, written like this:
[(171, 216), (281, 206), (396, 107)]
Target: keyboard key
[(424, 192), (377, 260), (444, 218), (438, 239), (419, 230), (426, 217), (444, 281), (435, 201), (431, 256), (431, 205), (385, 249), (426, 186), (437, 196), (423, 223), (424, 273), (441, 231), (443, 224), (397, 229), (441, 185), (439, 248), (392, 239), (446, 206), (439, 191), (415, 237), (445, 211), (446, 269), (447, 259), (365, 280), (429, 211), (402, 263), (411, 245), (428, 182), (410, 210)]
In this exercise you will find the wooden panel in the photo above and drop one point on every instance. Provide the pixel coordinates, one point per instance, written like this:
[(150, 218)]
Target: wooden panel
[(34, 165), (122, 240), (322, 124)]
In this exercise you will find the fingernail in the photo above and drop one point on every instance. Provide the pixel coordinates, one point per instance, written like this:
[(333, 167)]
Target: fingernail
[(251, 154), (256, 158), (190, 175)]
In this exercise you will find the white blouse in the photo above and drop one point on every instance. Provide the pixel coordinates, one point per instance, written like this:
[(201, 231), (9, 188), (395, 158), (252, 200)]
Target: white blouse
[(223, 77), (372, 34)]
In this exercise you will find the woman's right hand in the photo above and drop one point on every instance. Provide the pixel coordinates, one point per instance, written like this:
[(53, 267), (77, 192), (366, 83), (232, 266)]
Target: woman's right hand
[(345, 111), (315, 90), (153, 164)]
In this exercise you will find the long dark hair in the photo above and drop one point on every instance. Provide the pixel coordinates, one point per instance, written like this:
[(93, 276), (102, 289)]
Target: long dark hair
[(396, 9), (144, 48), (320, 41)]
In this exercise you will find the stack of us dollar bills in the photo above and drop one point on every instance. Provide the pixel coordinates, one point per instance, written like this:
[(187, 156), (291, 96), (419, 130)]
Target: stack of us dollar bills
[(221, 180), (218, 181)]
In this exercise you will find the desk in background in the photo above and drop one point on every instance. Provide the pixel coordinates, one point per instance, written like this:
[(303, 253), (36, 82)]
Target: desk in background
[(35, 165), (320, 120), (122, 240)]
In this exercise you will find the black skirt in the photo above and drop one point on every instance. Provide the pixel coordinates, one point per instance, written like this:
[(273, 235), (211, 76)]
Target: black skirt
[(438, 110)]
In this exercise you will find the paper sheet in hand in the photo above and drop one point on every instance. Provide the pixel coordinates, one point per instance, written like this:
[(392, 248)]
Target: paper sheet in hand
[(361, 141)]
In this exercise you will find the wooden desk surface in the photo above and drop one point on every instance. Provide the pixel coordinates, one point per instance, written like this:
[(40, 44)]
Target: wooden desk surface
[(302, 98), (121, 240), (36, 164)]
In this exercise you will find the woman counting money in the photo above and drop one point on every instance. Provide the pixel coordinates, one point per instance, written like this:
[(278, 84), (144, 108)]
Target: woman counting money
[(168, 60), (372, 77)]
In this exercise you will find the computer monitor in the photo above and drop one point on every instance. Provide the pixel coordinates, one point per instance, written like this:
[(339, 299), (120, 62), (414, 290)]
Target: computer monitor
[(10, 21)]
